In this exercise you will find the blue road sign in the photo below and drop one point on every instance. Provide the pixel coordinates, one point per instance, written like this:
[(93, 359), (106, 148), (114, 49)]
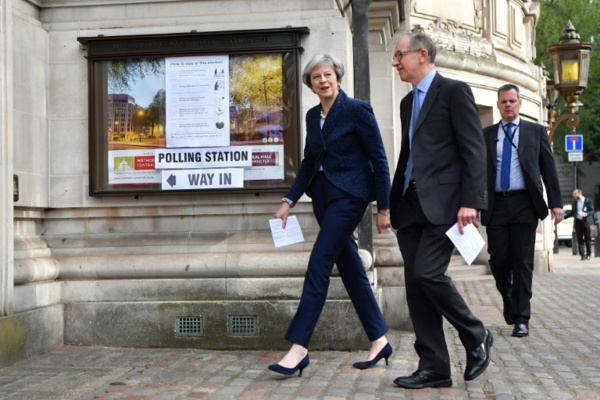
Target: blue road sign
[(574, 142)]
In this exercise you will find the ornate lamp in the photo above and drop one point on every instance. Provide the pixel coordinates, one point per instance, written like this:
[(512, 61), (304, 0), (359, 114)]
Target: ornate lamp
[(570, 64)]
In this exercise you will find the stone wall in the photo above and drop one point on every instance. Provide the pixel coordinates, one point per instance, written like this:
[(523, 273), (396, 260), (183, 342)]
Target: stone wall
[(123, 270)]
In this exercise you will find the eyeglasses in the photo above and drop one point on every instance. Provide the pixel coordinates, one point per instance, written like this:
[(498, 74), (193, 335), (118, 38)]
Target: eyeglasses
[(398, 55)]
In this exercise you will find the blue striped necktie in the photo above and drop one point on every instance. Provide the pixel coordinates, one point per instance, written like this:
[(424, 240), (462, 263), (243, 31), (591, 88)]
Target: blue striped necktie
[(506, 156)]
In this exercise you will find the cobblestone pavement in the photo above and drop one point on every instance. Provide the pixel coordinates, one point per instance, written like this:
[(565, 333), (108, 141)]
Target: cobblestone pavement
[(560, 360)]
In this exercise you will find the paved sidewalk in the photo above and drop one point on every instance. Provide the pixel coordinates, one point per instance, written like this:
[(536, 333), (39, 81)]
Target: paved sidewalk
[(560, 360)]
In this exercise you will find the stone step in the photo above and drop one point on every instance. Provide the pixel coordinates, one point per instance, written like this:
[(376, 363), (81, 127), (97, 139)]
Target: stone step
[(459, 270)]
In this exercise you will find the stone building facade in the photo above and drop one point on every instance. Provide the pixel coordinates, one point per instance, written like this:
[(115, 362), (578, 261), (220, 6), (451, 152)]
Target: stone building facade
[(132, 270)]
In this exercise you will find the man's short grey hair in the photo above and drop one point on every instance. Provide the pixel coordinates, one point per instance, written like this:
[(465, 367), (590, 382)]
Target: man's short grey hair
[(420, 40), (320, 59), (509, 86)]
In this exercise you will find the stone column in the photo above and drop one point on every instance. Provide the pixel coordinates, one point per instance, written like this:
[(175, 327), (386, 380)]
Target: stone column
[(6, 160)]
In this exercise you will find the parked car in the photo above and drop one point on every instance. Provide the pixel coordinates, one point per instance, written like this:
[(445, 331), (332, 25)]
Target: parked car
[(564, 230)]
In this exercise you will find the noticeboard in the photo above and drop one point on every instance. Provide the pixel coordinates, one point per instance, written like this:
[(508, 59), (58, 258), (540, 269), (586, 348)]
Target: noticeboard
[(192, 112)]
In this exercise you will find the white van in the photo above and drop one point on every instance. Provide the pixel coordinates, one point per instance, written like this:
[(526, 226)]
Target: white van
[(564, 230)]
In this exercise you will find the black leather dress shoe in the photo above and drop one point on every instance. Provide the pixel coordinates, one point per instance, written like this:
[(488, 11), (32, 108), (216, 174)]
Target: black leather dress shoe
[(479, 359), (521, 330), (421, 379), (587, 257)]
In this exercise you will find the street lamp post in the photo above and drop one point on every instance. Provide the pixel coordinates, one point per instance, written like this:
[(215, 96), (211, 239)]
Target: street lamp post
[(362, 91), (570, 66)]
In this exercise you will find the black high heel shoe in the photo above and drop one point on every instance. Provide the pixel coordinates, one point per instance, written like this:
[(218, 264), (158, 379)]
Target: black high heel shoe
[(386, 352), (291, 371)]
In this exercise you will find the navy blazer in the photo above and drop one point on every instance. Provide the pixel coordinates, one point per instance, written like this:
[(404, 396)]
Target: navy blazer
[(536, 159), (448, 153), (350, 149)]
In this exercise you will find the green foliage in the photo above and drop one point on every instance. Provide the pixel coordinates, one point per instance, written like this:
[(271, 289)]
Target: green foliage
[(122, 73), (156, 114), (584, 15)]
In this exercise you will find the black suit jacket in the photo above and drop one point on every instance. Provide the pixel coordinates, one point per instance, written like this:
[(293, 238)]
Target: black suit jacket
[(537, 165), (448, 153), (588, 207)]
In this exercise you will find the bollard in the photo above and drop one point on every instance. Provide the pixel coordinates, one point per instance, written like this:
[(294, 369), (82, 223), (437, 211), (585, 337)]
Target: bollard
[(575, 245)]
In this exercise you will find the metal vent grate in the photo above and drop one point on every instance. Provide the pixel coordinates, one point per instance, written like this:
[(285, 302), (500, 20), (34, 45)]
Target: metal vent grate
[(243, 325), (189, 326)]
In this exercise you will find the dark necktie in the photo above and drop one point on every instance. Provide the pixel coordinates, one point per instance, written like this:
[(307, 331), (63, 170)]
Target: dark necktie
[(506, 156), (416, 108)]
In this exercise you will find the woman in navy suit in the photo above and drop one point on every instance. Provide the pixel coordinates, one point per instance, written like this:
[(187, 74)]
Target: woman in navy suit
[(343, 170)]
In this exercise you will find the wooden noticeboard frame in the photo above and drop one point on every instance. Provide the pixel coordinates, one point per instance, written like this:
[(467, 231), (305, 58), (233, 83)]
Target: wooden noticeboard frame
[(250, 107)]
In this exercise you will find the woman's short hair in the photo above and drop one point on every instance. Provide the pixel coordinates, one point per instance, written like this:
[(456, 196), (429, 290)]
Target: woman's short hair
[(319, 59)]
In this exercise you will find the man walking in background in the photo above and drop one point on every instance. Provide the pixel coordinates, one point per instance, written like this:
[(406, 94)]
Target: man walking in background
[(581, 209), (519, 158)]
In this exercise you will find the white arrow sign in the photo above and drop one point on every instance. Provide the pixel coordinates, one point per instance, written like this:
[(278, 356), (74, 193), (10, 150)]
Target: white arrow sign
[(218, 178)]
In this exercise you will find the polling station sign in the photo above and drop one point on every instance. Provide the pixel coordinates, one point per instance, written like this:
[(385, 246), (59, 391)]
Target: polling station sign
[(224, 157), (194, 179)]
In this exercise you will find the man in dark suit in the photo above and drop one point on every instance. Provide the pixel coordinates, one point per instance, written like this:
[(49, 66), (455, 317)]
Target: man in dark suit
[(439, 181), (581, 208), (519, 158)]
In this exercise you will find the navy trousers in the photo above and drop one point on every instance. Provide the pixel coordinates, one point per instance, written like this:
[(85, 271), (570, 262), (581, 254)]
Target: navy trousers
[(338, 214)]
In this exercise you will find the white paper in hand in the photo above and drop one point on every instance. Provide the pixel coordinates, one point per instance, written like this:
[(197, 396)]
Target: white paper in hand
[(290, 235), (469, 244)]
